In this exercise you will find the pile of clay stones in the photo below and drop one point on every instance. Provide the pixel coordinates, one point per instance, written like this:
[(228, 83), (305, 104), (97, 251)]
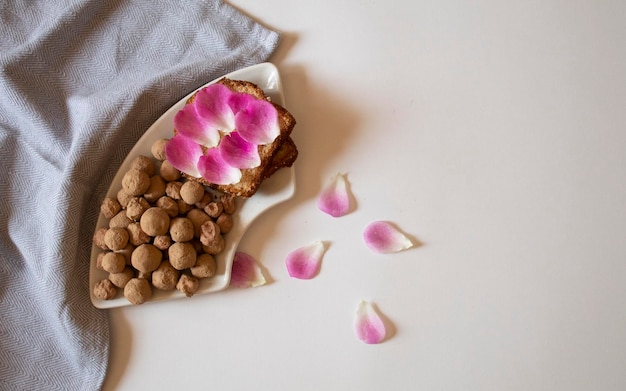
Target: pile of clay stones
[(163, 231)]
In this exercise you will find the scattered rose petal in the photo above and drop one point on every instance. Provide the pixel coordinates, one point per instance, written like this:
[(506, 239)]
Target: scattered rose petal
[(183, 153), (382, 237), (368, 326), (258, 122), (304, 262), (214, 169), (246, 272), (239, 153), (334, 199)]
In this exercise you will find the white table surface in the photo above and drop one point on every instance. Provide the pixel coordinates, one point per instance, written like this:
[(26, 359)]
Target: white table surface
[(494, 134)]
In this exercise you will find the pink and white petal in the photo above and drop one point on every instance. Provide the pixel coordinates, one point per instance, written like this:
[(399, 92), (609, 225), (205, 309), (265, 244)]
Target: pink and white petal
[(304, 262), (214, 169), (382, 237), (258, 122), (334, 199), (239, 101), (212, 106), (239, 153), (183, 153), (246, 272), (368, 325), (190, 124)]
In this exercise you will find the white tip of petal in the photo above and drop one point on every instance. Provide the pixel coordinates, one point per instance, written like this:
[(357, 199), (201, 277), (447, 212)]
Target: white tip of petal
[(334, 199), (246, 272), (368, 325), (382, 237), (304, 263)]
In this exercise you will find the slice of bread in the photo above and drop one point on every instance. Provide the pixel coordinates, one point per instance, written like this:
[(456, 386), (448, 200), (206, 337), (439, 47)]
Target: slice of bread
[(280, 153)]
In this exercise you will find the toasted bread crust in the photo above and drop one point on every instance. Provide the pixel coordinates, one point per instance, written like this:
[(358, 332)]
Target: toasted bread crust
[(280, 153)]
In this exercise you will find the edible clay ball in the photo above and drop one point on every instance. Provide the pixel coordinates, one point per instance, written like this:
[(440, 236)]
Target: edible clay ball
[(143, 163), (156, 189), (183, 207), (136, 235), (214, 247), (123, 197), (188, 285), (116, 238), (121, 279), (172, 189), (120, 220), (182, 255), (225, 222), (205, 200), (155, 221), (165, 277), (98, 238), (146, 258), (137, 291), (205, 266), (99, 259), (228, 202), (214, 209), (197, 217), (209, 232), (191, 192), (158, 149), (110, 207), (104, 290), (169, 172), (181, 229), (169, 205), (135, 208), (162, 242), (113, 262), (135, 182)]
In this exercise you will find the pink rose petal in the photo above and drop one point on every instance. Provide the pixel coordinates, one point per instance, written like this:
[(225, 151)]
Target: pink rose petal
[(368, 325), (239, 153), (246, 272), (206, 116), (188, 123), (239, 101), (258, 122), (183, 153), (212, 106), (304, 262), (382, 237), (334, 199), (214, 169)]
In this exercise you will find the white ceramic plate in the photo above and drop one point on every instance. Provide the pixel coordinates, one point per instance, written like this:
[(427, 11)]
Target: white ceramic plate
[(280, 187)]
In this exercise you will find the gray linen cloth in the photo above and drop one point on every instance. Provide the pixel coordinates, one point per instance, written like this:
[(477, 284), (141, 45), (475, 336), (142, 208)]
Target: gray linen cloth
[(81, 81)]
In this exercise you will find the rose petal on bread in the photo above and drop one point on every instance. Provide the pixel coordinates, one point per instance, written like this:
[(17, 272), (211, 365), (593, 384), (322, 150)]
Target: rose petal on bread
[(213, 168), (183, 153), (212, 105), (239, 153), (206, 116), (257, 123)]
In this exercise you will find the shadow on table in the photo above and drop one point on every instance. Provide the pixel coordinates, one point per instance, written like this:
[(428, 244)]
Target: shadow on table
[(120, 352)]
